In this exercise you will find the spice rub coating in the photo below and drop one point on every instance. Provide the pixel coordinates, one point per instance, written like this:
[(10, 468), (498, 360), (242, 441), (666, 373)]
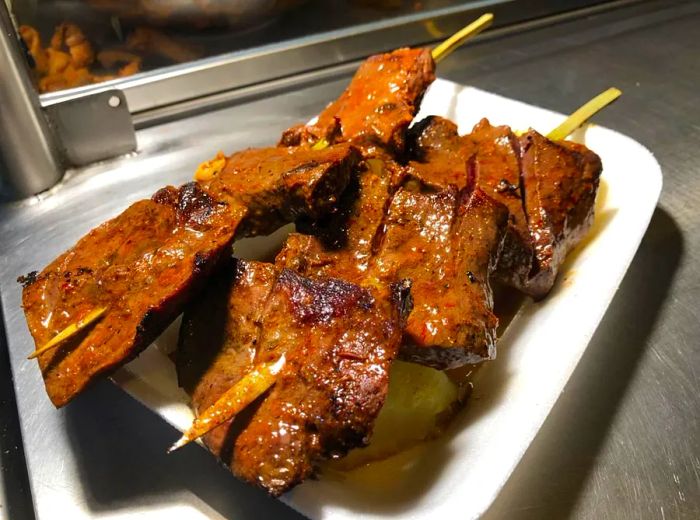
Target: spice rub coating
[(147, 262), (549, 189), (338, 344), (377, 107)]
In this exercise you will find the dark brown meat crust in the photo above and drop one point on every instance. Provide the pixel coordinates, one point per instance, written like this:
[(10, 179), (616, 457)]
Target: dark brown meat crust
[(378, 105), (445, 241), (146, 263), (560, 182), (279, 185), (338, 343), (447, 244), (549, 190)]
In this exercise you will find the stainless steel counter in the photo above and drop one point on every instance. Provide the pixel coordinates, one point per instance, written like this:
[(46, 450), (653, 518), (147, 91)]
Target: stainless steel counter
[(624, 439)]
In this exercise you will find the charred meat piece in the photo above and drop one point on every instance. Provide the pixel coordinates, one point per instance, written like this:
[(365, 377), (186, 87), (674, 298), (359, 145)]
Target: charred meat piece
[(498, 174), (338, 343), (549, 189), (560, 181), (279, 185), (342, 246), (447, 243), (145, 264), (378, 105)]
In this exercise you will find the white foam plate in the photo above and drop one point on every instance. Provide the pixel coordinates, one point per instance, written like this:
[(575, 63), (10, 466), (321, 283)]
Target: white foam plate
[(460, 474)]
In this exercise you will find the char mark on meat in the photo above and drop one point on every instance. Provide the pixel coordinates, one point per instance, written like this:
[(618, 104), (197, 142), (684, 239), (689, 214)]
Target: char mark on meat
[(331, 388), (549, 190), (147, 262)]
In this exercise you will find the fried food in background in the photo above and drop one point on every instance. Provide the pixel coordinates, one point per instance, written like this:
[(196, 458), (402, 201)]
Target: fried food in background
[(70, 59)]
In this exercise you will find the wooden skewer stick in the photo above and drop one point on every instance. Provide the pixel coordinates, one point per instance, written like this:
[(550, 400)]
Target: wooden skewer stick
[(583, 114), (450, 44), (248, 389), (69, 331)]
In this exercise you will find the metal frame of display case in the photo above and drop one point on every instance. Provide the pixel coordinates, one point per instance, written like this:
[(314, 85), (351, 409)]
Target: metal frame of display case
[(49, 139)]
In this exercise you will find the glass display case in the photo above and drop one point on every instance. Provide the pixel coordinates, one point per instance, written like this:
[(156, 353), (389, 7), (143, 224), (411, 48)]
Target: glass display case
[(87, 60)]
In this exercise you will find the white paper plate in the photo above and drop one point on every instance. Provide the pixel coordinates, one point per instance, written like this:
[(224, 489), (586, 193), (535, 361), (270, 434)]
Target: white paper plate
[(459, 475)]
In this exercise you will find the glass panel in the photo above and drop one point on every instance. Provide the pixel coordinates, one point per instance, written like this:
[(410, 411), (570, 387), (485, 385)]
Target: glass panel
[(80, 42)]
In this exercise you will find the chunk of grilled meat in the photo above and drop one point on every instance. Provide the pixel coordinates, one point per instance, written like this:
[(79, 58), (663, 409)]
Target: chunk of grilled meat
[(447, 244), (377, 107), (338, 343), (549, 189), (560, 182), (146, 263), (498, 174), (342, 246), (445, 241), (279, 185), (440, 156)]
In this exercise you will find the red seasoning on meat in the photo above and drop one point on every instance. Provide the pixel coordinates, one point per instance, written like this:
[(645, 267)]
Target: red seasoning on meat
[(377, 107), (146, 263), (338, 343), (549, 189)]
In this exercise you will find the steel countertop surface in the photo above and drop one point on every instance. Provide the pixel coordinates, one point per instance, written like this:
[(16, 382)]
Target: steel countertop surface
[(623, 441)]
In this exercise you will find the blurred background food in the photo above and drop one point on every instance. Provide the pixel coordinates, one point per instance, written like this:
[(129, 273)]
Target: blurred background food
[(72, 43), (70, 60)]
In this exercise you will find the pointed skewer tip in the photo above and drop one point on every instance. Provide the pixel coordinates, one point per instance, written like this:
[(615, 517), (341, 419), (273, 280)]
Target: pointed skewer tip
[(584, 113), (69, 331), (182, 441), (256, 382), (441, 51)]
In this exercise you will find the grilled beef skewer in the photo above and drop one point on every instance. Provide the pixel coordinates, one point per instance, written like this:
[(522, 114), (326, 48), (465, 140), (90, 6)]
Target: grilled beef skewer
[(549, 189), (392, 222), (338, 343), (146, 263), (446, 241), (178, 236)]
